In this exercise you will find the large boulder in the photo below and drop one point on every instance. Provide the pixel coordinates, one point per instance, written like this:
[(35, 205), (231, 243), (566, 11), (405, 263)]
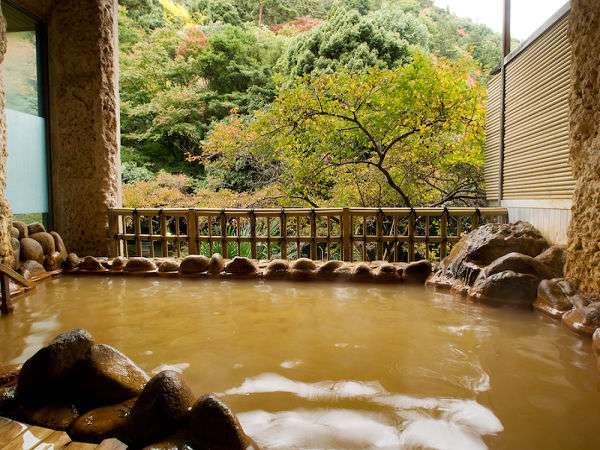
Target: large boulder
[(417, 272), (14, 233), (240, 266), (506, 287), (213, 426), (60, 246), (91, 264), (16, 247), (9, 374), (160, 410), (554, 297), (106, 376), (73, 262), (517, 262), (46, 241), (483, 246), (31, 250), (56, 416), (53, 261), (118, 263), (22, 227), (194, 264), (583, 319), (554, 259), (101, 423), (140, 265), (32, 268), (35, 227), (44, 376), (216, 265)]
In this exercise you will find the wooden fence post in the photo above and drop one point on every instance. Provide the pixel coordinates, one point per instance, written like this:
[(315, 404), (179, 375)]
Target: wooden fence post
[(252, 233), (379, 232), (164, 244), (444, 234), (313, 235), (224, 244), (5, 291), (192, 223), (137, 229), (346, 235), (113, 229), (411, 235), (283, 232)]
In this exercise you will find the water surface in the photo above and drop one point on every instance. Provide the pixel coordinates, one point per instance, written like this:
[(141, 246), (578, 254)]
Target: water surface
[(326, 365)]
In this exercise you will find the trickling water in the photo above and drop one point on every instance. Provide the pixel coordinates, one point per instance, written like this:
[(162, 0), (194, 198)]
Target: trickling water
[(326, 365)]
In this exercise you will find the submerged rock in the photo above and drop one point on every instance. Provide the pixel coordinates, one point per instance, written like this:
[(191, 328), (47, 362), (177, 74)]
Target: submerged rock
[(44, 375), (53, 262), (55, 416), (22, 227), (194, 264), (506, 287), (417, 272), (35, 227), (241, 266), (33, 268), (73, 261), (91, 264), (519, 263), (118, 263), (216, 265), (213, 426), (60, 246), (159, 411), (31, 250), (583, 319), (139, 265), (46, 241), (554, 297), (362, 272), (106, 376), (277, 268), (554, 260), (101, 423)]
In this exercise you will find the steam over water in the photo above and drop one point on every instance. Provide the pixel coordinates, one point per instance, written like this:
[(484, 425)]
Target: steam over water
[(338, 366)]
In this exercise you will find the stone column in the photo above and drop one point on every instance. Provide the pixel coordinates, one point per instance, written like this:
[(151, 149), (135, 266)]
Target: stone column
[(5, 214), (84, 121), (583, 261)]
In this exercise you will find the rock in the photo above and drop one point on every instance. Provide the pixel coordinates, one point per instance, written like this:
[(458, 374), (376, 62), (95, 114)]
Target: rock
[(506, 287), (101, 423), (31, 250), (417, 272), (118, 264), (484, 245), (174, 442), (60, 246), (139, 265), (105, 377), (9, 374), (213, 426), (518, 263), (304, 265), (14, 232), (554, 297), (584, 319), (54, 416), (554, 260), (32, 267), (168, 266), (216, 265), (387, 272), (240, 266), (596, 342), (330, 267), (91, 264), (161, 408), (53, 262), (16, 247), (193, 265), (44, 375), (73, 261), (362, 272), (35, 227), (46, 241), (277, 268), (22, 227)]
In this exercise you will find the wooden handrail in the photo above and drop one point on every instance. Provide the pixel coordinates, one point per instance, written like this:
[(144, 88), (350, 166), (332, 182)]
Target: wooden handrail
[(16, 277), (7, 274), (394, 234)]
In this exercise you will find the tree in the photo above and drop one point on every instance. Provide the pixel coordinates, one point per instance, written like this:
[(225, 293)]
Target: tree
[(355, 42), (147, 14), (416, 131)]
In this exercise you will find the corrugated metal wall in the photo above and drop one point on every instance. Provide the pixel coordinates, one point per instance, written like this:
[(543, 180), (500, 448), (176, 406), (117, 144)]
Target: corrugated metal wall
[(536, 144), (493, 138)]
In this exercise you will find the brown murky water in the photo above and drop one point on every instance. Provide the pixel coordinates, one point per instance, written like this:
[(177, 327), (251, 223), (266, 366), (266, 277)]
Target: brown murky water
[(339, 366)]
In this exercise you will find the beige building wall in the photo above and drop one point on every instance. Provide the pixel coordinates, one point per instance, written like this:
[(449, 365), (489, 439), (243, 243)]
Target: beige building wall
[(583, 262), (83, 117)]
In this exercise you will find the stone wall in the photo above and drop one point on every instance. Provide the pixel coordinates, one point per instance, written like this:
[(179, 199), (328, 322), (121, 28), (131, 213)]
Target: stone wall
[(583, 262), (5, 246), (84, 111)]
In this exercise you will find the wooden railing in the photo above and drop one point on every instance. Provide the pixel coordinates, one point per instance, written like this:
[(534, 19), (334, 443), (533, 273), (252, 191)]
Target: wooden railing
[(349, 234), (7, 274)]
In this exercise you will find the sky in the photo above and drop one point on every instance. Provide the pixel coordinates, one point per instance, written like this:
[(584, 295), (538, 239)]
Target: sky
[(527, 15)]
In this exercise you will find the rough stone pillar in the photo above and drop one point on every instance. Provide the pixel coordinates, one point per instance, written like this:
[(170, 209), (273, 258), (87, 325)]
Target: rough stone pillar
[(583, 262), (84, 121), (5, 214)]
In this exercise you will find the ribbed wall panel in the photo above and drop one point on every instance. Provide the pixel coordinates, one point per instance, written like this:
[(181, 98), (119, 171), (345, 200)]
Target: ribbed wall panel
[(492, 145), (536, 146)]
